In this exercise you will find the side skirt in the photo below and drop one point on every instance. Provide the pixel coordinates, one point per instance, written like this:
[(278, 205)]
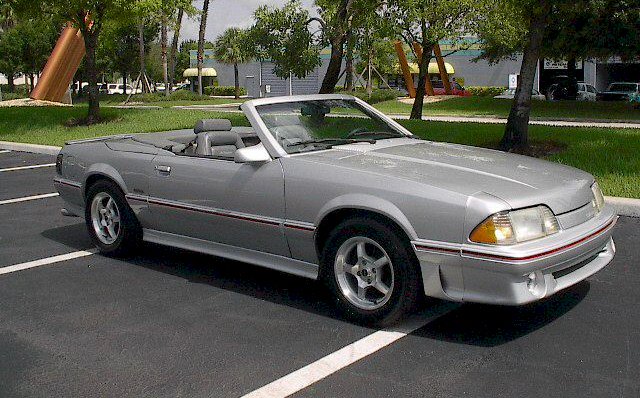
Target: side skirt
[(272, 261)]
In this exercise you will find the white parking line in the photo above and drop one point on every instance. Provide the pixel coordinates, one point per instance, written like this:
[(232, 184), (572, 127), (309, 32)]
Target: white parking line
[(323, 367), (46, 261), (35, 166), (27, 198)]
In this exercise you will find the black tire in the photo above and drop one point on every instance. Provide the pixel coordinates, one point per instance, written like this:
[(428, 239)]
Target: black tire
[(129, 234), (407, 286)]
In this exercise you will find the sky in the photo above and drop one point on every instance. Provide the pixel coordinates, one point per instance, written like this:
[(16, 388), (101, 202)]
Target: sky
[(224, 14)]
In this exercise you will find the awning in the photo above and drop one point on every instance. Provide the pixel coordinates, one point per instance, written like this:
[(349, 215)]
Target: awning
[(206, 72), (433, 68)]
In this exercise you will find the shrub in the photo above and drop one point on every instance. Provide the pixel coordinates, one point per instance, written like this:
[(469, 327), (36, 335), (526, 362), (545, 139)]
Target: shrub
[(485, 91), (377, 95), (180, 95), (223, 90), (12, 96)]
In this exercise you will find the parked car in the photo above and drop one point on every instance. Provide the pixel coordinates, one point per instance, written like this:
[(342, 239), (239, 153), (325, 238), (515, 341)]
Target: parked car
[(102, 89), (327, 187), (456, 89), (563, 88), (620, 92), (511, 93), (586, 92), (119, 89), (182, 86)]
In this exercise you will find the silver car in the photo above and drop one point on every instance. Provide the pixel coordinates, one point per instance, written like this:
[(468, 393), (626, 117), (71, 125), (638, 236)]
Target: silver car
[(327, 187)]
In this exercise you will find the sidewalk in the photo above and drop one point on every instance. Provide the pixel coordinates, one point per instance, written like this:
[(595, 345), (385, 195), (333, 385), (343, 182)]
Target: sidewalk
[(539, 122)]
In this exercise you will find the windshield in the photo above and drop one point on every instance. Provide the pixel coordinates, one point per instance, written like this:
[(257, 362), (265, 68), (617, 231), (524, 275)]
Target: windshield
[(625, 87), (320, 124)]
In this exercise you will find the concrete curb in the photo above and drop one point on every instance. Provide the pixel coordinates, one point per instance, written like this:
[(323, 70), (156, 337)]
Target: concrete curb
[(624, 206), (33, 148)]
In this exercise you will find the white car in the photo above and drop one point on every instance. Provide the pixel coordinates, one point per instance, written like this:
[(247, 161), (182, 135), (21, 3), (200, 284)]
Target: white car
[(586, 92), (510, 93), (119, 89)]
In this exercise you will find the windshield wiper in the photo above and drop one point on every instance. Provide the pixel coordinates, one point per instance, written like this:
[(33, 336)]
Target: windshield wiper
[(385, 134), (332, 141)]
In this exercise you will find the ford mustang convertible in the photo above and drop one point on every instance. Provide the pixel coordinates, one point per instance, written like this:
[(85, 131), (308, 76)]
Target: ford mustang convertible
[(327, 187)]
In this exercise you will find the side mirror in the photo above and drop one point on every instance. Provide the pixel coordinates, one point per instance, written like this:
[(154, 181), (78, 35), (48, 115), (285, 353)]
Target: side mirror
[(252, 154)]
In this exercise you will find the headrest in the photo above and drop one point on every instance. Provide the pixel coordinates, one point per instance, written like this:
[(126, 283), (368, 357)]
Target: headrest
[(225, 138), (212, 125)]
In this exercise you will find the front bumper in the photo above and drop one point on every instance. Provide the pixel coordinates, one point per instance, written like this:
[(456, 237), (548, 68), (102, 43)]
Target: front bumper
[(517, 275)]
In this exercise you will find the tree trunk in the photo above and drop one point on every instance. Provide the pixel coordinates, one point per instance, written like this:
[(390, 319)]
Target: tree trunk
[(337, 49), (11, 83), (237, 79), (203, 27), (423, 71), (174, 48), (163, 51), (335, 66), (90, 43), (143, 68), (124, 83), (516, 134), (348, 79)]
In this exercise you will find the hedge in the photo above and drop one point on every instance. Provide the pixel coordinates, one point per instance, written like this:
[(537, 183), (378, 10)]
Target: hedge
[(485, 91), (377, 95), (223, 90)]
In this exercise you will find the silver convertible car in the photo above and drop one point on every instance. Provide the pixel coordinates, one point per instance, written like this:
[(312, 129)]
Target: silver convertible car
[(327, 187)]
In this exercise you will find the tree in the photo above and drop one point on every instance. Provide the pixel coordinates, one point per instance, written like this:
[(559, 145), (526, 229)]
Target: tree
[(336, 18), (201, 32), (11, 50), (429, 21), (118, 50), (555, 29), (282, 36), (89, 16), (38, 39), (229, 49), (174, 47)]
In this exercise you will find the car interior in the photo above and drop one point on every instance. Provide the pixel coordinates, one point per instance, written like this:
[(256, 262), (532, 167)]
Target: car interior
[(215, 138)]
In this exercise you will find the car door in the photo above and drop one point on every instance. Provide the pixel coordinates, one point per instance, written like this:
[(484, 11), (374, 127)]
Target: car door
[(219, 200)]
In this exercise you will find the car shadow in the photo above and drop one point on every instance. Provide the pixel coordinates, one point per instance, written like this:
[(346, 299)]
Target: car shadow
[(492, 325), (74, 236), (471, 324)]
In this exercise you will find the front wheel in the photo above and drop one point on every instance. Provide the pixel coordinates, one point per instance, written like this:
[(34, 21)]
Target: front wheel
[(371, 272), (111, 223)]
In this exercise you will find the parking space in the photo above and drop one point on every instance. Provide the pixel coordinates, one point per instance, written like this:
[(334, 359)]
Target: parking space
[(9, 159), (168, 322)]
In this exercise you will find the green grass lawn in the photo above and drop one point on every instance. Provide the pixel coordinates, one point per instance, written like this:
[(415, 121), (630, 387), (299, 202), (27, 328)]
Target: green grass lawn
[(487, 106), (612, 155)]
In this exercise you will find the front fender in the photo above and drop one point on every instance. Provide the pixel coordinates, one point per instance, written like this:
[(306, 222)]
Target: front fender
[(370, 203)]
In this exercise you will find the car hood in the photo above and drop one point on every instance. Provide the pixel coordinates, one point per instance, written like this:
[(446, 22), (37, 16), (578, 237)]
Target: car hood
[(520, 181)]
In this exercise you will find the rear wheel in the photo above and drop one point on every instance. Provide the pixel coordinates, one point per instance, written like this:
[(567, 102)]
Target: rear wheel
[(371, 272), (111, 223)]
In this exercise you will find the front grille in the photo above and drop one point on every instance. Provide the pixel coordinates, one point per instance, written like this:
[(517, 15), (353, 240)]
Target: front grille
[(568, 270)]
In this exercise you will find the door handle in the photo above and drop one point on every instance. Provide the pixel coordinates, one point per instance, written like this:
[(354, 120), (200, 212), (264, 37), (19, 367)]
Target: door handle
[(163, 169)]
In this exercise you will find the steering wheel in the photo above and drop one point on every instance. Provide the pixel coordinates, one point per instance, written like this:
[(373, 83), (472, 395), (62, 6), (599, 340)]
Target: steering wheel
[(356, 132)]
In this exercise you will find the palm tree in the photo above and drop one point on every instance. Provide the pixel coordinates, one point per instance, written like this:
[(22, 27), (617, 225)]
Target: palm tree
[(229, 49), (203, 28)]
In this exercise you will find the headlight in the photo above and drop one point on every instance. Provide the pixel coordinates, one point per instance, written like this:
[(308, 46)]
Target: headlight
[(598, 197), (510, 227)]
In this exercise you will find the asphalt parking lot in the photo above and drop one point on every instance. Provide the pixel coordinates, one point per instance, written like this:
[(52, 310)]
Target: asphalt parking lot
[(170, 323)]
